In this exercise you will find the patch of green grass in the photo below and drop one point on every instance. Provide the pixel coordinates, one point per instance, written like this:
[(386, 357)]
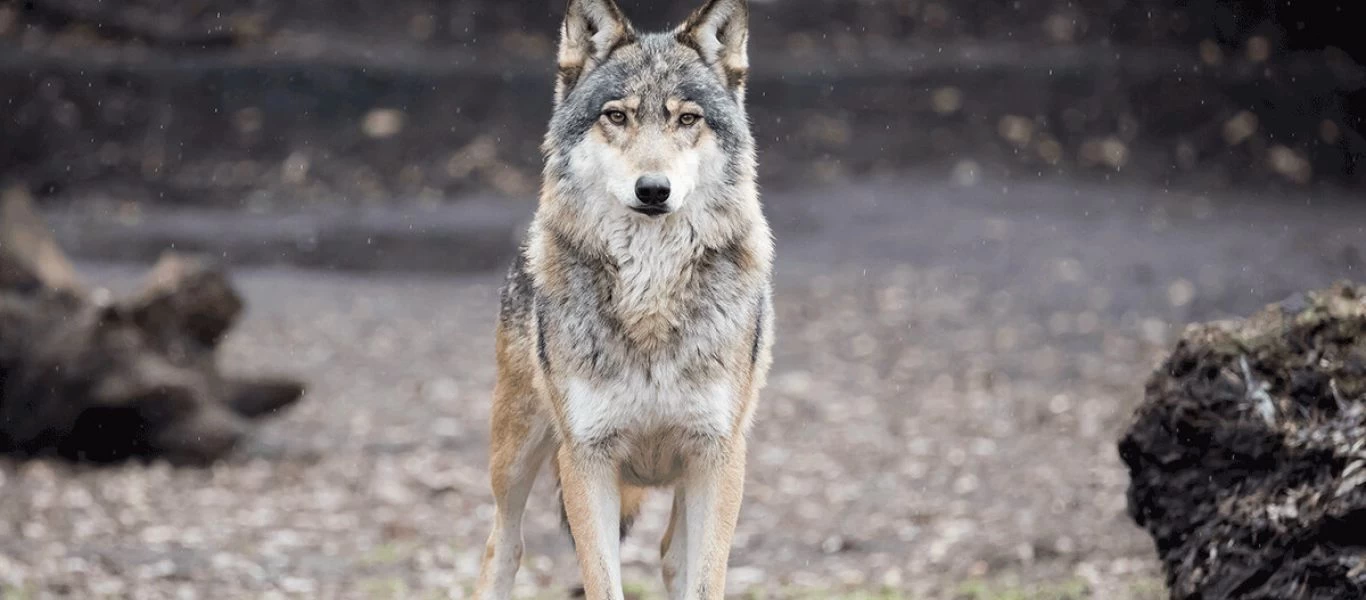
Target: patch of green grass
[(975, 589), (853, 595), (1071, 589), (18, 593), (388, 554), (1152, 588), (636, 591), (384, 588), (818, 594), (982, 589)]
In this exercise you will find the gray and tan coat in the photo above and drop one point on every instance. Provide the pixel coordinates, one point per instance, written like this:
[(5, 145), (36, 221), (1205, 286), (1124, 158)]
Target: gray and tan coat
[(636, 325)]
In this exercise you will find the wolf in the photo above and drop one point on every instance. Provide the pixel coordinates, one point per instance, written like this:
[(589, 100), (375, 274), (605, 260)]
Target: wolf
[(636, 323)]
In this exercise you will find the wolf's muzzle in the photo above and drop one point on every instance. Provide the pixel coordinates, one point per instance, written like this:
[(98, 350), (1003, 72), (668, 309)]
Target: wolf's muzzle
[(652, 190)]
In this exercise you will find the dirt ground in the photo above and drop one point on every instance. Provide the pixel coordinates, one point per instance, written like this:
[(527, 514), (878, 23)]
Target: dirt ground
[(955, 363)]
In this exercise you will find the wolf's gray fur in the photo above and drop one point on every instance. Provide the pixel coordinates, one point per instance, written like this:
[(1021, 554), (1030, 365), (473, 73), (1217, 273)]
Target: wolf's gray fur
[(636, 324)]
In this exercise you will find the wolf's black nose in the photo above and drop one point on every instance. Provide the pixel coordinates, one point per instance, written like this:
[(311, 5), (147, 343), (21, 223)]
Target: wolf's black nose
[(652, 190)]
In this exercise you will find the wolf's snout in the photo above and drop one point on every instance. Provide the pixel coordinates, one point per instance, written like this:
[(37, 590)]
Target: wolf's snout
[(652, 190)]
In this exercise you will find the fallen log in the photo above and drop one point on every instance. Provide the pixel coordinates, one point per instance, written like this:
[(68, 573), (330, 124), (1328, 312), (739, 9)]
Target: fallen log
[(94, 379), (1247, 457)]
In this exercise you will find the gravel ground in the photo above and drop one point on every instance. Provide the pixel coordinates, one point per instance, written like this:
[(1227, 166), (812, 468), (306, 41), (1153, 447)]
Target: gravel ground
[(954, 365)]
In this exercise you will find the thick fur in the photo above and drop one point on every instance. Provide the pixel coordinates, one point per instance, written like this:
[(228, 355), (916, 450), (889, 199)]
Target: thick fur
[(632, 345)]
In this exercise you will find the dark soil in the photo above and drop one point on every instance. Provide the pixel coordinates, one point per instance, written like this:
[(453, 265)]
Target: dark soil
[(1247, 457)]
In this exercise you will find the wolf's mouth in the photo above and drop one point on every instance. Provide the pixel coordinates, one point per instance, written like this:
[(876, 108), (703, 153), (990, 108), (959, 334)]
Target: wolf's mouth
[(653, 211)]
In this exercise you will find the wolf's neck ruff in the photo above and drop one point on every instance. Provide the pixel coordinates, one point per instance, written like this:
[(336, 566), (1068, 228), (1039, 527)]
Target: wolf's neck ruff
[(649, 277)]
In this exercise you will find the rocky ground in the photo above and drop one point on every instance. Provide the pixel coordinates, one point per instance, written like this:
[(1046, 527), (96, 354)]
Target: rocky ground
[(955, 364)]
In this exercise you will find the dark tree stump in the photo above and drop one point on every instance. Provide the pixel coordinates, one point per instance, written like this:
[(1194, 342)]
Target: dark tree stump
[(101, 380), (1248, 456)]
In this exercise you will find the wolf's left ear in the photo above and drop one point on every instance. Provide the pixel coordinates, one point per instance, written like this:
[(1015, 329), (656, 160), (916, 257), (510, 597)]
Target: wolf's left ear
[(592, 29), (719, 31)]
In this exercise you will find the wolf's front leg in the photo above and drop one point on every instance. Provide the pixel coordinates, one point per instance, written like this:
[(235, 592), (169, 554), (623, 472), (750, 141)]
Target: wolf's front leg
[(712, 493), (592, 503)]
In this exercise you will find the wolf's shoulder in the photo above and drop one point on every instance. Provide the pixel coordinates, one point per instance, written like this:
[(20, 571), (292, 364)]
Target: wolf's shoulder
[(518, 293)]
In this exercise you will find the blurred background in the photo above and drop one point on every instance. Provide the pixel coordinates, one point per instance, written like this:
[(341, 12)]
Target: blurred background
[(993, 217)]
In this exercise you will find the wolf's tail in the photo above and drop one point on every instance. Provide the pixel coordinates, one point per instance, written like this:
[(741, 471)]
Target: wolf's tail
[(631, 499)]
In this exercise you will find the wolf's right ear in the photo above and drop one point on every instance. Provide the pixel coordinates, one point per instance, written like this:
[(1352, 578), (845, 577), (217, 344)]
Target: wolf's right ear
[(592, 29)]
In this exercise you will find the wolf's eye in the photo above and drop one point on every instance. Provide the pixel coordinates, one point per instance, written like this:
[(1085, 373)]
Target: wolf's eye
[(687, 119), (616, 116)]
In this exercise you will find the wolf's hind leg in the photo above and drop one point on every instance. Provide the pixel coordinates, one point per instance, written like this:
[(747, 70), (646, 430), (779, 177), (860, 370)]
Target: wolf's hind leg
[(521, 443)]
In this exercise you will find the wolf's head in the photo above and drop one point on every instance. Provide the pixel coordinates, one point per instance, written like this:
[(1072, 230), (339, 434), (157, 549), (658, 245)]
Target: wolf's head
[(650, 123)]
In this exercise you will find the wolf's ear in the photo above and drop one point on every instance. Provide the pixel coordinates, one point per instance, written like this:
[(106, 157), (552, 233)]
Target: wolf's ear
[(592, 29), (719, 31)]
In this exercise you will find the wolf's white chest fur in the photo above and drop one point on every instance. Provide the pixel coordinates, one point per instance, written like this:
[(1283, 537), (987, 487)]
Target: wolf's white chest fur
[(634, 408), (653, 299)]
